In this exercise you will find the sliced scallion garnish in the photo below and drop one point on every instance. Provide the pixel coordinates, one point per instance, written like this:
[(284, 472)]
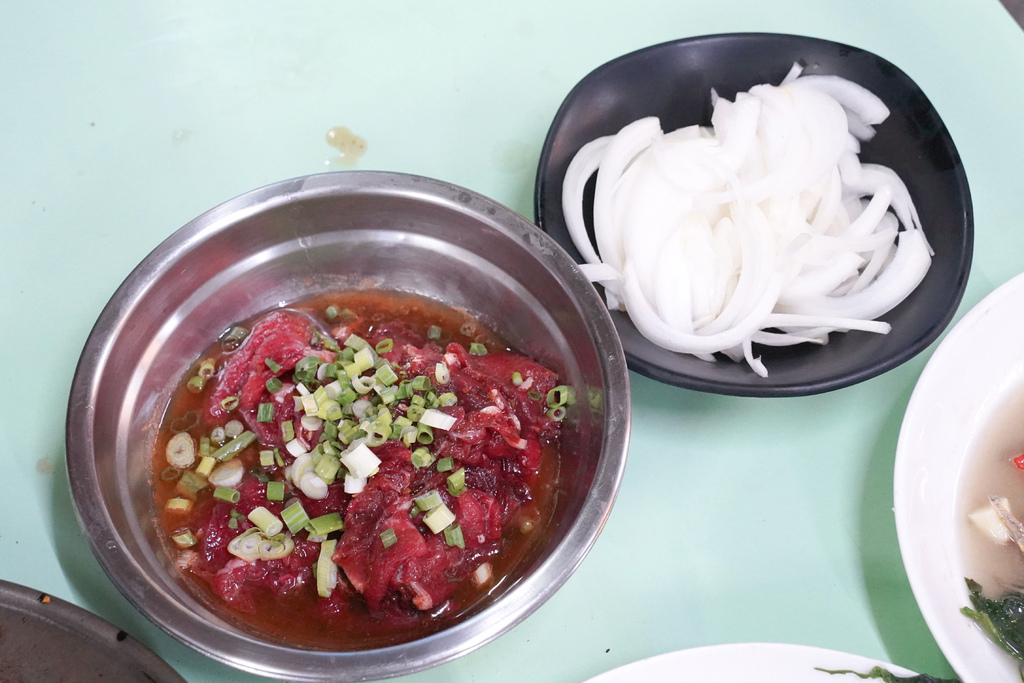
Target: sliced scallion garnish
[(184, 539), (445, 465), (557, 414), (421, 458), (230, 403), (453, 536), (267, 521), (275, 489), (271, 365), (265, 412), (235, 446), (457, 482), (294, 516), (388, 537), (439, 518), (326, 524), (233, 338), (190, 484), (428, 501), (384, 345), (228, 495), (178, 505), (477, 349), (274, 385)]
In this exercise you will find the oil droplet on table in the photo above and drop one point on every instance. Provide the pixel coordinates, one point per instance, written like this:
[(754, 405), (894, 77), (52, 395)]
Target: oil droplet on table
[(349, 145)]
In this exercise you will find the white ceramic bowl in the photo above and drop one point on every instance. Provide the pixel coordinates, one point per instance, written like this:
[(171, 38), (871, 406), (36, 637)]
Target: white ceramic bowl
[(975, 370)]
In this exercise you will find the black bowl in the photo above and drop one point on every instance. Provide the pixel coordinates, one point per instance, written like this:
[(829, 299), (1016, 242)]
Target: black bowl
[(673, 81)]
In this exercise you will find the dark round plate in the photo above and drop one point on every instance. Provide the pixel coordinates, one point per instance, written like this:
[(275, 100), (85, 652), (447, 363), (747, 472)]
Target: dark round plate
[(673, 81), (43, 638)]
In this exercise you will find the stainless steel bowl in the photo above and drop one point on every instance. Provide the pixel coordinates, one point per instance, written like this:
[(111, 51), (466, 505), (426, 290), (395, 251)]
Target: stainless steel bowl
[(294, 240)]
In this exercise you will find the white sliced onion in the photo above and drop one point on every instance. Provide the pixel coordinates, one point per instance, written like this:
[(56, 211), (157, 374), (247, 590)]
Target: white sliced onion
[(763, 228)]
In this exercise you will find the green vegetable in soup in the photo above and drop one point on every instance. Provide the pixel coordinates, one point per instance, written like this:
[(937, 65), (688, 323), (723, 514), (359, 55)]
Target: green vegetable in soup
[(889, 677), (1002, 620)]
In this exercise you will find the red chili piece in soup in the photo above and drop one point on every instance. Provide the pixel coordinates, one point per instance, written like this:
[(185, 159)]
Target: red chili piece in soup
[(362, 473)]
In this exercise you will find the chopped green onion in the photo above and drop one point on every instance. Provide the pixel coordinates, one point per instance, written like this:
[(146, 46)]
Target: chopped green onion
[(457, 482), (266, 520), (388, 537), (517, 379), (233, 338), (233, 429), (230, 403), (424, 434), (170, 473), (265, 412), (277, 458), (228, 495), (441, 372), (204, 446), (207, 368), (235, 446), (434, 332), (477, 349), (206, 464), (327, 468), (287, 431), (196, 384), (274, 385), (453, 536), (178, 505), (415, 412), (190, 484), (326, 571), (271, 365), (218, 436), (331, 429), (447, 400), (428, 501), (558, 396), (388, 395), (294, 516), (439, 518), (421, 457), (346, 355), (384, 345), (557, 414), (363, 360), (305, 369), (421, 383), (386, 375), (364, 385), (331, 313), (267, 458), (445, 464), (184, 539), (356, 342), (534, 395), (275, 490), (325, 524)]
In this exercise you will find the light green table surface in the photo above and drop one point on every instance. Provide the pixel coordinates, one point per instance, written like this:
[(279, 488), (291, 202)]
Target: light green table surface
[(119, 122)]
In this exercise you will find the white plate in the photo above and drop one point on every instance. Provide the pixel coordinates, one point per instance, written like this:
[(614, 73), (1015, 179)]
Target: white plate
[(746, 663), (973, 369)]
